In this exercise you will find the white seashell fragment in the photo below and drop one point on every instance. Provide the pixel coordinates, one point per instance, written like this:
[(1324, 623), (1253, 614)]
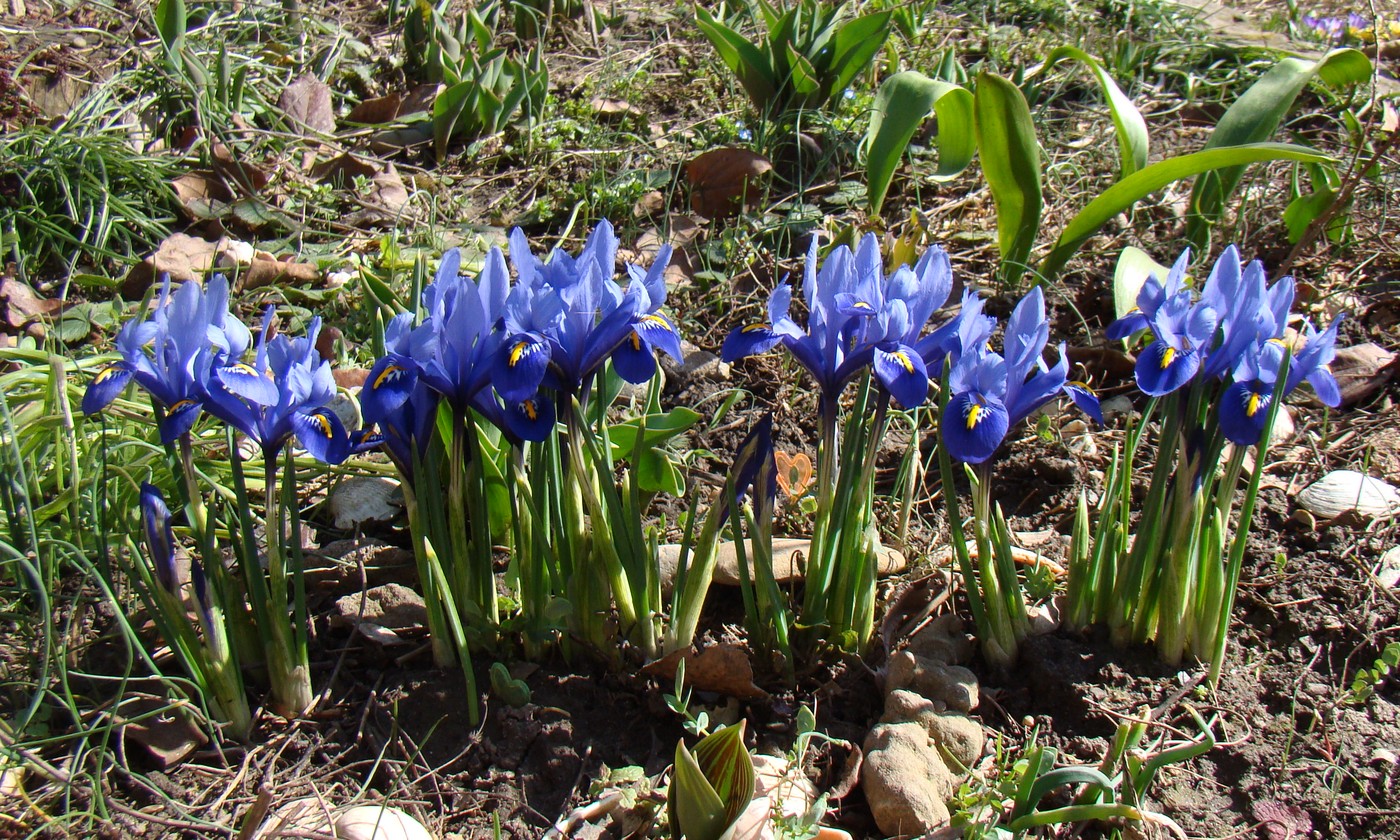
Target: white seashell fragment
[(1347, 491), (362, 499), (376, 822)]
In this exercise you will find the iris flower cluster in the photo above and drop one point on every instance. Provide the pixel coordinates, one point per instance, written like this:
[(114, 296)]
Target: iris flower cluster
[(1234, 331), (509, 352), (1216, 362), (190, 355)]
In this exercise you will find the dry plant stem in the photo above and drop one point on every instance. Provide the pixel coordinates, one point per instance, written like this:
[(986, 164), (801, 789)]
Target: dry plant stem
[(1350, 181)]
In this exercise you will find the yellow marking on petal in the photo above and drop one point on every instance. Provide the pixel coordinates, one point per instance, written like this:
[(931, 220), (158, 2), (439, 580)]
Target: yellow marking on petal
[(517, 351), (389, 373), (658, 321), (179, 405), (860, 304), (1167, 356), (903, 358), (323, 424), (530, 411), (755, 328), (974, 414), (1252, 408), (243, 367), (107, 373), (636, 340)]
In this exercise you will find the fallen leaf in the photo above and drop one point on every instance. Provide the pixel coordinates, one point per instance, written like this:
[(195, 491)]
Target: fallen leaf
[(1362, 370), (24, 308), (167, 733), (343, 169), (420, 99), (611, 109), (265, 272), (794, 473), (182, 256), (376, 111), (652, 203), (201, 193), (238, 172), (1103, 362), (1281, 822), (722, 668), (325, 342), (350, 377), (307, 103), (386, 200), (725, 181)]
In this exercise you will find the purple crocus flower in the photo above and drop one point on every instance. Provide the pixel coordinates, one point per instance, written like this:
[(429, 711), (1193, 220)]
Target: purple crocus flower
[(172, 353), (284, 392), (856, 317)]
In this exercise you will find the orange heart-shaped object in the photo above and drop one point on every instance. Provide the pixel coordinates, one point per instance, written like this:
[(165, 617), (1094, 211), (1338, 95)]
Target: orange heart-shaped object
[(794, 473)]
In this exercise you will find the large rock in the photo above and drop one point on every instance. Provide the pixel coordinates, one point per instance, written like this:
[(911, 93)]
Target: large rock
[(906, 783), (942, 640), (957, 734)]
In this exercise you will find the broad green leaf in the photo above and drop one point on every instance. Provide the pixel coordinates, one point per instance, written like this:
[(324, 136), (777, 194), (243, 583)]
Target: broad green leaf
[(660, 428), (447, 110), (854, 47), (1254, 118), (171, 23), (696, 811), (1127, 192), (1306, 208), (1127, 120), (728, 766), (1134, 267), (754, 69), (1011, 163), (903, 101)]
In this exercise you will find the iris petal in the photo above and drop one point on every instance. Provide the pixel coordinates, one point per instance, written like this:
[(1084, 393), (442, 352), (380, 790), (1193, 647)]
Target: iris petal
[(1244, 409), (388, 386), (901, 370), (322, 435), (530, 419), (160, 538), (1162, 368), (179, 418), (105, 386), (973, 426), (520, 365), (749, 341), (249, 383)]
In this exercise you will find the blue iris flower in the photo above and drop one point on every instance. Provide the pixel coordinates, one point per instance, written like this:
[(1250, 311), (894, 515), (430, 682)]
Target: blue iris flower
[(856, 317), (283, 392), (1182, 332), (565, 318), (991, 392), (398, 401), (172, 353), (449, 355), (1244, 408)]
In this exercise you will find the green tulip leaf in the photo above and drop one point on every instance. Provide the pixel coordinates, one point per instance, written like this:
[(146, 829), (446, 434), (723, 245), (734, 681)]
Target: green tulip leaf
[(1010, 159), (902, 103), (1131, 128)]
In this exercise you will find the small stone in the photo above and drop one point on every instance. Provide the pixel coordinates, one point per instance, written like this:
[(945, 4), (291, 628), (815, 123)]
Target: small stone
[(907, 785), (391, 605), (942, 640), (1044, 619), (695, 364), (952, 684), (1116, 405)]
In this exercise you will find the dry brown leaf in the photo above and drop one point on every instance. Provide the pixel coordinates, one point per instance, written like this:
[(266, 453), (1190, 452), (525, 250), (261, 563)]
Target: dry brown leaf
[(387, 198), (307, 103), (1362, 370), (237, 172), (611, 109), (265, 272), (1281, 822), (421, 98), (653, 203), (350, 377), (24, 309), (376, 111), (343, 168), (168, 734), (199, 191), (182, 256), (1103, 361), (722, 668), (725, 181)]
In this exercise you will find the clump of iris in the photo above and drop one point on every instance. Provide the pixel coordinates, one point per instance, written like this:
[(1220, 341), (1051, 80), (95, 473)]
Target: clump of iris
[(1217, 362), (862, 326)]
